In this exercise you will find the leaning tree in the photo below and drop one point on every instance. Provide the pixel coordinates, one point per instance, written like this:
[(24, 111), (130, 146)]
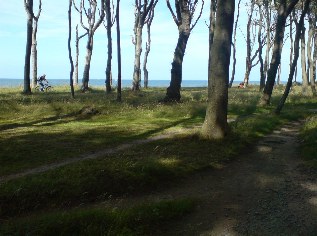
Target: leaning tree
[(90, 29), (184, 19), (143, 12), (215, 125)]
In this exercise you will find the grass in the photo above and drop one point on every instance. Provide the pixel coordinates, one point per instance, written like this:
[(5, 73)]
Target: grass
[(49, 127)]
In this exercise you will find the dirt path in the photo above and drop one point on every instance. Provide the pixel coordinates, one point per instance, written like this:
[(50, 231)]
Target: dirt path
[(266, 192)]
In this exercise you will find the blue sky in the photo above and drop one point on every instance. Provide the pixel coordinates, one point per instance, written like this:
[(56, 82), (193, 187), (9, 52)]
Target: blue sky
[(53, 33)]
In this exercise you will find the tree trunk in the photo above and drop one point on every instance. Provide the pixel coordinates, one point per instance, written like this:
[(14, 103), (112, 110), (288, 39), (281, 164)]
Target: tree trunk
[(311, 32), (313, 76), (77, 56), (146, 54), (137, 58), (173, 91), (305, 81), (27, 64), (299, 28), (283, 13), (109, 38), (89, 48), (118, 51), (248, 61), (279, 71), (234, 47), (34, 54), (262, 75), (71, 82), (215, 125)]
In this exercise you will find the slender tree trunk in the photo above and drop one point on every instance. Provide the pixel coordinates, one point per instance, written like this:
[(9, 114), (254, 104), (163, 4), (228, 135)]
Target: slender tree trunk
[(283, 12), (146, 54), (305, 81), (27, 64), (34, 54), (77, 56), (173, 91), (311, 32), (89, 48), (279, 71), (118, 51), (313, 76), (235, 47), (212, 19), (215, 125), (71, 82), (262, 75), (137, 59), (248, 61), (299, 28), (268, 39), (109, 38)]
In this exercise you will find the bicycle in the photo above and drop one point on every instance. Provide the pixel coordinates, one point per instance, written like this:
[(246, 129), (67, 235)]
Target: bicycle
[(43, 86)]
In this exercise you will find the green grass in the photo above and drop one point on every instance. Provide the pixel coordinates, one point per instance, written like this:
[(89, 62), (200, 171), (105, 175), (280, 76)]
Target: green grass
[(47, 127), (309, 140)]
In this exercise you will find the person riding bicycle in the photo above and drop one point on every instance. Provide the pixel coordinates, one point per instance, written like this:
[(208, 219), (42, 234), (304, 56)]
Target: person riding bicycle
[(41, 80)]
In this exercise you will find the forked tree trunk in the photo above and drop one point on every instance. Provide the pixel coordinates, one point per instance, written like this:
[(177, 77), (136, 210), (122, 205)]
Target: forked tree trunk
[(27, 64), (283, 12), (215, 125), (299, 28)]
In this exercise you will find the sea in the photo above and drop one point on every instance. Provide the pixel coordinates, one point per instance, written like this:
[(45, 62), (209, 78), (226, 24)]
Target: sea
[(9, 83)]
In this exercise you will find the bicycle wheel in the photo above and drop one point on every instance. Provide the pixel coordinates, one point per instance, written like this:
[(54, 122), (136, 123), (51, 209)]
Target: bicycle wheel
[(48, 88)]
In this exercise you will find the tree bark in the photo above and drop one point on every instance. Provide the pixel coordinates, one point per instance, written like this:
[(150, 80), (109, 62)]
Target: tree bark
[(313, 76), (71, 82), (215, 125), (305, 81), (118, 51), (137, 58), (234, 46), (27, 64), (34, 54), (109, 45), (262, 75), (299, 28), (146, 54), (283, 12), (89, 48)]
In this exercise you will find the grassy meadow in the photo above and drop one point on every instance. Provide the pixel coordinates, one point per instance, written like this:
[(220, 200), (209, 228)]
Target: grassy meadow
[(46, 128)]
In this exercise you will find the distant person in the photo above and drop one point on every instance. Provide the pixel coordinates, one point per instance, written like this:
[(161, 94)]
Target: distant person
[(41, 80), (241, 85)]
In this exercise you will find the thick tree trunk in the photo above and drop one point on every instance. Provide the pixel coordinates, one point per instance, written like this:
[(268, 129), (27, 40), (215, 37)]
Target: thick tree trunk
[(283, 13), (173, 91), (27, 64), (137, 59), (299, 28), (89, 48), (34, 54), (305, 81), (109, 38), (215, 125)]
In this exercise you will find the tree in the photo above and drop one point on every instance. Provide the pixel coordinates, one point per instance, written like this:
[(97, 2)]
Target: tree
[(143, 12), (71, 83), (90, 29), (283, 12), (184, 19), (109, 8), (148, 46), (299, 28), (215, 125), (28, 5), (34, 44), (78, 38), (118, 51)]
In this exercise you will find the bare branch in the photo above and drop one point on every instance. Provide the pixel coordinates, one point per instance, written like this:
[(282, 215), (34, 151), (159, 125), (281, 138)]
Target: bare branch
[(201, 11), (172, 12)]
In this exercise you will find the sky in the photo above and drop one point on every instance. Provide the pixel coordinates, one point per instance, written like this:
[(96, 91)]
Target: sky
[(53, 34)]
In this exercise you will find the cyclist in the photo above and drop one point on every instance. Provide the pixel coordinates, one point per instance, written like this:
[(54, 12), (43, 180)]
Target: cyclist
[(41, 80)]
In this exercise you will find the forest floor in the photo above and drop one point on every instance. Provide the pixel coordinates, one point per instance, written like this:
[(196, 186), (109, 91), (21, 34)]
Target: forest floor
[(266, 191)]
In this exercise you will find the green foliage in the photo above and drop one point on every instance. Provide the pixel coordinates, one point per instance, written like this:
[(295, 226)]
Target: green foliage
[(309, 140)]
